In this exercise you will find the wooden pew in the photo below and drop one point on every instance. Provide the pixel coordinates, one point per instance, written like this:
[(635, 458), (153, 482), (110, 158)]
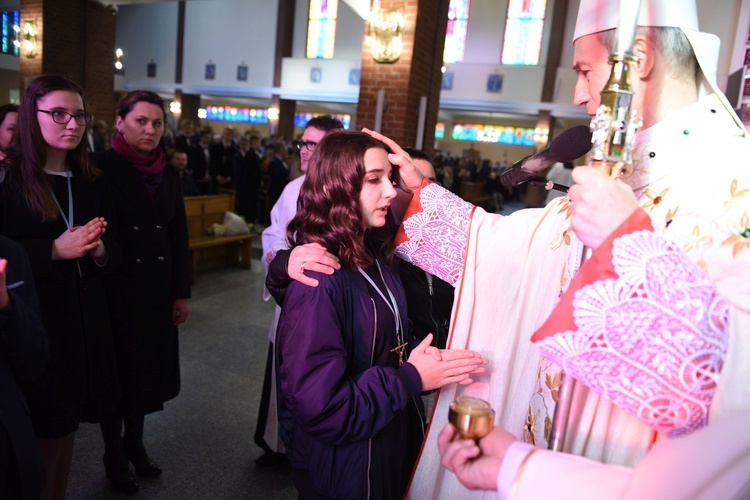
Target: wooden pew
[(474, 193), (211, 252)]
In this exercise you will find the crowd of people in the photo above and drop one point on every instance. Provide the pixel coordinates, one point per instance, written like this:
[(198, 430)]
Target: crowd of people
[(654, 325)]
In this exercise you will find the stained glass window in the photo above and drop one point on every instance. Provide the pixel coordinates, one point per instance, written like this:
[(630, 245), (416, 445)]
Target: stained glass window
[(301, 119), (236, 115), (321, 28), (455, 35), (513, 136), (9, 20), (524, 25), (439, 130)]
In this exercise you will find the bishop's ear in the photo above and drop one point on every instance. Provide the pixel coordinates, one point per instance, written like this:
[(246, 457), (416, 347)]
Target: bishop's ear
[(644, 50)]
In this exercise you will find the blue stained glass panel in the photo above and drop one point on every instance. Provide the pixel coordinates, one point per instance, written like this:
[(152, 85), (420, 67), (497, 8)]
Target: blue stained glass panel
[(236, 115), (7, 34), (301, 119), (512, 136)]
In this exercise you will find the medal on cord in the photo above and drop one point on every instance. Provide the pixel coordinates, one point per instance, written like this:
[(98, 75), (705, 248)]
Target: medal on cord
[(400, 348)]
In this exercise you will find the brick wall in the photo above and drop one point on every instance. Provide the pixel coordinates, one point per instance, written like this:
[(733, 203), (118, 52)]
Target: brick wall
[(416, 73), (76, 40), (99, 68)]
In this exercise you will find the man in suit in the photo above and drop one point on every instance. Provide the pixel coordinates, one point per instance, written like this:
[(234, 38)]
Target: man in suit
[(185, 139), (179, 161), (278, 173), (200, 161), (222, 154), (246, 174), (23, 356)]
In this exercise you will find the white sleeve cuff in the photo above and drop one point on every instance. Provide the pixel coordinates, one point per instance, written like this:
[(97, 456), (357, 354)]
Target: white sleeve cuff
[(509, 468)]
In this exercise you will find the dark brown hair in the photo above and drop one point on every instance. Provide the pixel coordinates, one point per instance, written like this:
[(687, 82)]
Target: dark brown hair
[(329, 211), (129, 100), (28, 155), (326, 123)]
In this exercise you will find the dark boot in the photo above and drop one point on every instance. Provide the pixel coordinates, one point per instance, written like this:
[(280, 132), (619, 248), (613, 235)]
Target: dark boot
[(133, 444), (115, 461)]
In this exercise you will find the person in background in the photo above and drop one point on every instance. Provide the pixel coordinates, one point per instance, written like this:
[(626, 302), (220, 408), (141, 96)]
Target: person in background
[(99, 135), (8, 122), (278, 172), (429, 299), (186, 138), (149, 294), (179, 162), (560, 173), (200, 163), (222, 154), (246, 175), (347, 387), (54, 203), (24, 351), (274, 239)]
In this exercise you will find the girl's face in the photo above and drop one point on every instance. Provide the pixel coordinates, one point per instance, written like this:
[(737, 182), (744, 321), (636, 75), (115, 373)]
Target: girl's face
[(142, 127), (60, 136), (377, 188), (8, 130)]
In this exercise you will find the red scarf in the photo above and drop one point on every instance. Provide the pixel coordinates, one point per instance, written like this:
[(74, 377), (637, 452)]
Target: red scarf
[(149, 167)]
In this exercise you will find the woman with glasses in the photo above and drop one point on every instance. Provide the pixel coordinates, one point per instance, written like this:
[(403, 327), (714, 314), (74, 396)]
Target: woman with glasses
[(148, 295), (52, 203)]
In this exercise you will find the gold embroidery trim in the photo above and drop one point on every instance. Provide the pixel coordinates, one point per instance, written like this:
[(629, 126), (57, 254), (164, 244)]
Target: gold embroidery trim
[(517, 479)]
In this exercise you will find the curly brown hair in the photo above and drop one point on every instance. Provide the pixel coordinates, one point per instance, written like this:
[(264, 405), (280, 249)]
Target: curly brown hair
[(329, 211)]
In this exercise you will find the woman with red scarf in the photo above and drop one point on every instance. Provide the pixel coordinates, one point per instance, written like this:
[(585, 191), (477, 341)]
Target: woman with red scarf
[(148, 296)]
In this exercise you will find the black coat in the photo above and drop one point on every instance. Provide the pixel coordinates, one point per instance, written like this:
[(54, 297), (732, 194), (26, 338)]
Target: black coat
[(198, 163), (221, 159), (23, 356), (278, 175), (80, 382), (246, 180), (154, 272)]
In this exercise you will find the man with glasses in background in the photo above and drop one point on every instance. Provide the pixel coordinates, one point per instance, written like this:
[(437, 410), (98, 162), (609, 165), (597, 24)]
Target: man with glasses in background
[(274, 239)]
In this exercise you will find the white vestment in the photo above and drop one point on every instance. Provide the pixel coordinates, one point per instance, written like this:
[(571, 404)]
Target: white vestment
[(692, 177)]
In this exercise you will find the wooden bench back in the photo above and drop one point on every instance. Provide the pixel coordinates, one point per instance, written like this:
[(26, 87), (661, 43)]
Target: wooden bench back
[(473, 191), (204, 211)]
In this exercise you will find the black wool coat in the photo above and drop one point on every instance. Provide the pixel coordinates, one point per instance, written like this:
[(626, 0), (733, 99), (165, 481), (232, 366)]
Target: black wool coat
[(154, 272), (23, 356), (80, 381)]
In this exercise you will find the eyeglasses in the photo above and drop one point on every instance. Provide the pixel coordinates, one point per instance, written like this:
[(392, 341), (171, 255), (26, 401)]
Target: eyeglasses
[(63, 117), (309, 145)]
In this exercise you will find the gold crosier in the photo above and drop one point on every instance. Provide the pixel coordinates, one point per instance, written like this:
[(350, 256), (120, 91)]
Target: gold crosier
[(613, 129)]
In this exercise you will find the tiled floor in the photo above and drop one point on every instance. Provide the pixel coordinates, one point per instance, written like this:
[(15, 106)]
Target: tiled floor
[(203, 438)]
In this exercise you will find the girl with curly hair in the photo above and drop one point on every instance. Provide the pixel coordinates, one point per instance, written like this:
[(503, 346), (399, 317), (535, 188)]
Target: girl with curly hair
[(349, 399)]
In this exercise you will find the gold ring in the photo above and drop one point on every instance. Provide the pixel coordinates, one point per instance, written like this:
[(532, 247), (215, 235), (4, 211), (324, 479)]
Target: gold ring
[(302, 266)]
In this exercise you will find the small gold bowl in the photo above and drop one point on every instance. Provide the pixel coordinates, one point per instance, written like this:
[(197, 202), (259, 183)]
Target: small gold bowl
[(473, 418)]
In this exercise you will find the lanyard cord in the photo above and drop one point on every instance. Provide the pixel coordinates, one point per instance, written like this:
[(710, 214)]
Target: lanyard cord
[(69, 219), (390, 303)]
